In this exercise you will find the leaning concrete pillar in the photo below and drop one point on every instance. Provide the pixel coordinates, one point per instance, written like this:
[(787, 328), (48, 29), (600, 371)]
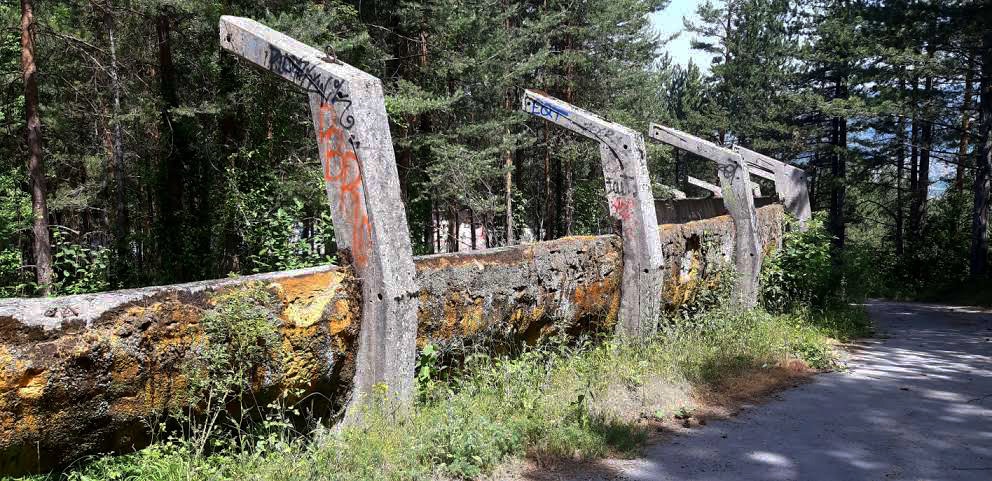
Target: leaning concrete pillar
[(737, 196), (628, 192), (790, 183), (359, 169)]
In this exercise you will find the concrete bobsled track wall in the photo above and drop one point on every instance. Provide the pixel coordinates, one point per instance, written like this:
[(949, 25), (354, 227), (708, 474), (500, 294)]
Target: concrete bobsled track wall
[(81, 374)]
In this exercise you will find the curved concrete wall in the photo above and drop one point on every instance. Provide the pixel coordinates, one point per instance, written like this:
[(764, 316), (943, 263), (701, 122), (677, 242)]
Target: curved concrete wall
[(80, 374)]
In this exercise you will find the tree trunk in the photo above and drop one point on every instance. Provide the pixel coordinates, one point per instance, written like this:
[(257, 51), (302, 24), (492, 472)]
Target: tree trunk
[(471, 221), (914, 168), (172, 184), (557, 214), (508, 175), (428, 232), (567, 194), (838, 171), (121, 217), (900, 169), (681, 169), (922, 187), (923, 182), (36, 167), (549, 215), (231, 135), (980, 213), (508, 99), (453, 230), (568, 218), (965, 124)]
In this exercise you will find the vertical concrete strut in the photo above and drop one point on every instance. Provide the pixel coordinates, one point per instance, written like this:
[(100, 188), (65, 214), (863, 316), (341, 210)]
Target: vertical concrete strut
[(790, 182), (628, 192), (362, 184), (735, 183)]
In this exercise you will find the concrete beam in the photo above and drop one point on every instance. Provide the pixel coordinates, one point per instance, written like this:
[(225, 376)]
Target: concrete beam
[(759, 172), (790, 183), (738, 196), (362, 184), (702, 184), (631, 202)]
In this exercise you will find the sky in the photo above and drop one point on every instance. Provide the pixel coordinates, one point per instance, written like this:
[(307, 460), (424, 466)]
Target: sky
[(669, 21)]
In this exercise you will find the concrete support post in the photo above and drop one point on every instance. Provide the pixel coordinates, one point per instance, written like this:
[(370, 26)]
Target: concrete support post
[(790, 183), (628, 192), (737, 197), (359, 169)]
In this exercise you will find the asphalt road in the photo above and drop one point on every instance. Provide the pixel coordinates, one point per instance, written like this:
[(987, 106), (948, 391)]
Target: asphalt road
[(915, 404)]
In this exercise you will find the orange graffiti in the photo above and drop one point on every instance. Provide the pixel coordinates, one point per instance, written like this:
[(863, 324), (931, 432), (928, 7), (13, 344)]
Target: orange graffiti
[(336, 150), (622, 207)]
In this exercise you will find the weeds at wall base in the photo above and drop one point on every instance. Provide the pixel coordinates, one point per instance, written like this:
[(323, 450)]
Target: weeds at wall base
[(555, 401)]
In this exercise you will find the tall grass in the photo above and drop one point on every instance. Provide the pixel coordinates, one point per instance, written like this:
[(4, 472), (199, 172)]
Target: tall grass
[(560, 399)]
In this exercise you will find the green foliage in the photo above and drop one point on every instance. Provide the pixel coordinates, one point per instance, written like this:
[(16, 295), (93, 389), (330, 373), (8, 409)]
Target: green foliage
[(933, 268), (714, 291), (79, 268), (240, 343), (801, 272), (15, 217), (275, 240), (240, 349), (559, 399)]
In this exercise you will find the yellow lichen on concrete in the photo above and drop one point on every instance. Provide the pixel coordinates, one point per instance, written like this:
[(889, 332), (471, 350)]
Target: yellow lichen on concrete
[(522, 318), (462, 315), (10, 369), (680, 289), (300, 364), (159, 393), (471, 319), (600, 297), (343, 317), (304, 298), (32, 385)]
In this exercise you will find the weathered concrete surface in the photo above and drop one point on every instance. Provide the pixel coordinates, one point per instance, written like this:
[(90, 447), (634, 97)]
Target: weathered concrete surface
[(79, 374), (678, 211), (790, 183), (523, 292), (738, 196), (695, 251), (631, 203), (915, 403), (363, 188)]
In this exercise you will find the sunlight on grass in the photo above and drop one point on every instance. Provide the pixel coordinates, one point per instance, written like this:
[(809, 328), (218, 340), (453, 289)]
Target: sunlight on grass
[(562, 399)]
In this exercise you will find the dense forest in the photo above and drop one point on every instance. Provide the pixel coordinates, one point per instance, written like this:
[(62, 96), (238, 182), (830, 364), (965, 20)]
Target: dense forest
[(135, 152)]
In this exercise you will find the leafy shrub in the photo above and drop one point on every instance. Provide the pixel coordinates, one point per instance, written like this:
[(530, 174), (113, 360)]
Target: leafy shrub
[(79, 268), (240, 346), (801, 272), (15, 216)]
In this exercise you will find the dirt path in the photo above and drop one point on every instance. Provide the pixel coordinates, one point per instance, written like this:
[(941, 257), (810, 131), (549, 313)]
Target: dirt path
[(915, 404)]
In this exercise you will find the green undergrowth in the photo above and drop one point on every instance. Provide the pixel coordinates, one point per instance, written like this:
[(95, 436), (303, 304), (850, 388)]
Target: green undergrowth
[(968, 293), (569, 400)]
